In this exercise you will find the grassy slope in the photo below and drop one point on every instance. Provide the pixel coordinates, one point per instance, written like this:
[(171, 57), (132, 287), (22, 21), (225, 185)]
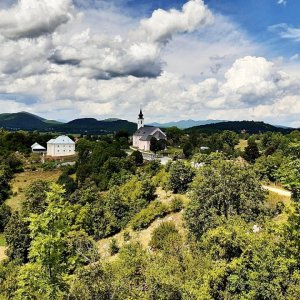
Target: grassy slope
[(144, 236), (23, 180)]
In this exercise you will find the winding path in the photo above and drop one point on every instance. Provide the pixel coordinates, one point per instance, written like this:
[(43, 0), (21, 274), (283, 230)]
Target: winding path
[(278, 191)]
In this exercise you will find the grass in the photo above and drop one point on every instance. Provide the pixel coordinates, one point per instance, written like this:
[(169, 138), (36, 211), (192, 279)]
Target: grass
[(2, 240), (273, 199), (242, 145), (23, 180), (2, 247), (144, 236)]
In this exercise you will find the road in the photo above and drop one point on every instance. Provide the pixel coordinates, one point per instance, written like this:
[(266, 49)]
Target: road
[(278, 191)]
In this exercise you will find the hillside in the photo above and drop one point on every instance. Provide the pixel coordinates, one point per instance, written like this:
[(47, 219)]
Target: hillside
[(92, 126), (184, 124), (238, 126), (30, 122)]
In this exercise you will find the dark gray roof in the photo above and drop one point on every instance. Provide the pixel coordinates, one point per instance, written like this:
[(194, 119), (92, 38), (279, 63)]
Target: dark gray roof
[(145, 131), (148, 138)]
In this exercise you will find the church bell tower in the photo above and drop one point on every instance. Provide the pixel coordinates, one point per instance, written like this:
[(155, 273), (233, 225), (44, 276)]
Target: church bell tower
[(140, 120)]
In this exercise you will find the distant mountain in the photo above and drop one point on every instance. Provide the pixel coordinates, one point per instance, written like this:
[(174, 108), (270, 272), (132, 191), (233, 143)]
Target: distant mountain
[(23, 121), (30, 122), (238, 126), (183, 124)]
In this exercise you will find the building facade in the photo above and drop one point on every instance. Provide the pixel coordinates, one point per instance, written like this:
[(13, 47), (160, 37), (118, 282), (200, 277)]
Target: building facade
[(61, 146), (142, 137)]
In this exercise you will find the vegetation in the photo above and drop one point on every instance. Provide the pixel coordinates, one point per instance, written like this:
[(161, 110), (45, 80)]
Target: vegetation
[(200, 227)]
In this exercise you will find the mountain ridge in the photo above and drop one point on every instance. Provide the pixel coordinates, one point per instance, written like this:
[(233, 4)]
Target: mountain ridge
[(30, 122)]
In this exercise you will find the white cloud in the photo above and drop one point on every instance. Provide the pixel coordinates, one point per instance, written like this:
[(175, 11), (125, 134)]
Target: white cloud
[(285, 31), (162, 25), (32, 18), (91, 66), (282, 2)]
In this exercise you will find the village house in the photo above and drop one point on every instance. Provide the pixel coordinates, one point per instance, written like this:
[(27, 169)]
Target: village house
[(37, 148), (142, 137), (61, 146)]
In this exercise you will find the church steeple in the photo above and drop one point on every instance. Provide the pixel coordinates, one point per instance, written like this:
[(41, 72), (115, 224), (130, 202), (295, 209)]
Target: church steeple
[(140, 119)]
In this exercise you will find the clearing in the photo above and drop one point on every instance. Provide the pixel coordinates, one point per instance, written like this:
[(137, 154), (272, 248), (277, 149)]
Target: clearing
[(21, 181)]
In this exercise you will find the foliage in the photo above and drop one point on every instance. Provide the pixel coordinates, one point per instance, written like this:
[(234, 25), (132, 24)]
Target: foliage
[(176, 204), (251, 152), (147, 215), (113, 247), (17, 237), (165, 236), (36, 195), (221, 190), (289, 176), (138, 157), (5, 213), (181, 175)]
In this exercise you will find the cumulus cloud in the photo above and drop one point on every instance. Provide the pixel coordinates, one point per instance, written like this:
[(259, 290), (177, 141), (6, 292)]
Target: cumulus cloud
[(162, 25), (33, 18), (138, 54)]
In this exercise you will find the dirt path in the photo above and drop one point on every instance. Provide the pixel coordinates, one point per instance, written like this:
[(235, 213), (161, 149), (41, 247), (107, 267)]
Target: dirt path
[(2, 252), (278, 191)]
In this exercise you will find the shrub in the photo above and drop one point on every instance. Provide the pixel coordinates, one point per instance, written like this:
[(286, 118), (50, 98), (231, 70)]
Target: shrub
[(176, 204), (113, 247), (162, 235), (147, 215)]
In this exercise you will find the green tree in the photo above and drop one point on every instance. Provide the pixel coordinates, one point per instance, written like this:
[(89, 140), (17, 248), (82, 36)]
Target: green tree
[(221, 190), (17, 237), (5, 213), (138, 157), (36, 195), (187, 150), (181, 175), (251, 151)]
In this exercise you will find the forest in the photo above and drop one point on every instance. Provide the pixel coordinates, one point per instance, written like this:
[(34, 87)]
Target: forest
[(206, 225)]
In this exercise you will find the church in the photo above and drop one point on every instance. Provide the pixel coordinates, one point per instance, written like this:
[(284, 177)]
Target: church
[(141, 138)]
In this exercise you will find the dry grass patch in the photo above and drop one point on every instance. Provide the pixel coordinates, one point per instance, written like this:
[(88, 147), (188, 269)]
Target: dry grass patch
[(21, 182), (273, 200), (142, 236), (242, 145)]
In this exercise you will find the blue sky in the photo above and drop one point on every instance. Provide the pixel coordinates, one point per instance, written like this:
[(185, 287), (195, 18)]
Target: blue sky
[(213, 59)]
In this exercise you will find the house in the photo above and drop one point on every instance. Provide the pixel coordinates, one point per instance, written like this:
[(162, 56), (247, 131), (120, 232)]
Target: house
[(142, 137), (61, 146), (37, 148)]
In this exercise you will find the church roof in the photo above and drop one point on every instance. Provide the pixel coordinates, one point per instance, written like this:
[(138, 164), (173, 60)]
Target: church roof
[(63, 139), (146, 133)]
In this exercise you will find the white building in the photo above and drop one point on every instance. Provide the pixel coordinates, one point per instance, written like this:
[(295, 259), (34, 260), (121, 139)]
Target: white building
[(141, 138), (37, 148), (61, 146)]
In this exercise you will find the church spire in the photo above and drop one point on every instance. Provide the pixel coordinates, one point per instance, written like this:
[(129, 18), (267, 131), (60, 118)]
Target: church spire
[(141, 116), (140, 119)]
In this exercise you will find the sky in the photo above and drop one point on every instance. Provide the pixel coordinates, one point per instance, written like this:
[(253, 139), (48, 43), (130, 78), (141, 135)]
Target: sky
[(213, 59)]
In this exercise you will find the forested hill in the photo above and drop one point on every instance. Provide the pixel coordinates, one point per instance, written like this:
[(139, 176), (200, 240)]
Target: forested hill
[(25, 121), (30, 122), (92, 126), (238, 126)]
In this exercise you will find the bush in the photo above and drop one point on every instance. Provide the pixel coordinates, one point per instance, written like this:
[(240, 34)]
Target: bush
[(147, 215), (138, 157), (162, 236), (5, 213), (181, 176), (113, 247), (176, 204)]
